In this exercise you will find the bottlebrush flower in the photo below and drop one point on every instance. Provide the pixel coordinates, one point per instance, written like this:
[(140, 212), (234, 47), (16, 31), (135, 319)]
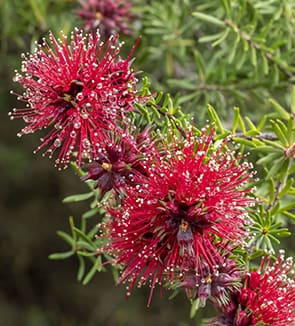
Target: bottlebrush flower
[(169, 224), (267, 297), (109, 16), (78, 89), (120, 162)]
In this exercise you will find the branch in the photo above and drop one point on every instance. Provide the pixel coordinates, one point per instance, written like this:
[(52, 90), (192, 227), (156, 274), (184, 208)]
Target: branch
[(287, 70), (261, 136)]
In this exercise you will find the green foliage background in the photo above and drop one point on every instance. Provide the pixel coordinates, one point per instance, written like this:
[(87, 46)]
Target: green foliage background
[(226, 53)]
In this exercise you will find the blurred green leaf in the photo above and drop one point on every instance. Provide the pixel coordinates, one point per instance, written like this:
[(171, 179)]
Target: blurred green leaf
[(77, 198), (61, 255)]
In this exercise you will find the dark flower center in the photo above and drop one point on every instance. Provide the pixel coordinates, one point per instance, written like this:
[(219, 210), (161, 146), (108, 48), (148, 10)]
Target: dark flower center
[(187, 219), (184, 221), (70, 96)]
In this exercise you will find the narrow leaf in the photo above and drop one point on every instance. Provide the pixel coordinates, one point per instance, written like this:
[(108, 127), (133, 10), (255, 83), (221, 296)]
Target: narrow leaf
[(253, 56), (194, 307), (280, 133), (286, 188), (243, 141), (209, 19), (66, 237), (81, 270), (77, 198), (61, 255), (214, 118), (94, 269), (84, 237), (210, 38), (280, 110), (276, 167)]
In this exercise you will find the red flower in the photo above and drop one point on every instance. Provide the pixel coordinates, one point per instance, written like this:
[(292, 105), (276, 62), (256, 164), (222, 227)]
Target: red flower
[(267, 296), (269, 293), (109, 16), (121, 162), (169, 225), (78, 88)]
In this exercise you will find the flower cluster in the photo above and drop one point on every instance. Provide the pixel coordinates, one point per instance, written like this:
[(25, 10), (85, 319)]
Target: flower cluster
[(181, 205), (109, 16), (78, 89), (169, 226), (267, 296)]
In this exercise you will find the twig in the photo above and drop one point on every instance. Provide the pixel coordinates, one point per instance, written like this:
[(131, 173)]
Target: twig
[(261, 136)]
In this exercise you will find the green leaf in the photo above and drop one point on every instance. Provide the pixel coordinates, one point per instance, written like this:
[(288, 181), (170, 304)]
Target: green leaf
[(290, 215), (275, 144), (268, 149), (283, 233), (77, 198), (194, 307), (94, 269), (268, 158), (210, 38), (268, 243), (234, 49), (286, 188), (253, 56), (86, 254), (173, 295), (236, 119), (66, 237), (81, 270), (75, 167), (286, 208), (257, 253), (242, 124), (280, 110), (262, 123), (91, 212), (276, 167), (209, 19), (226, 5), (279, 132), (214, 118), (251, 125), (222, 38), (265, 64), (61, 255), (84, 237), (244, 141)]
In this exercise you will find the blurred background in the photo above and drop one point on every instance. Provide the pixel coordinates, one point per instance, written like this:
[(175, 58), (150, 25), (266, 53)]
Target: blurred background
[(36, 291)]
